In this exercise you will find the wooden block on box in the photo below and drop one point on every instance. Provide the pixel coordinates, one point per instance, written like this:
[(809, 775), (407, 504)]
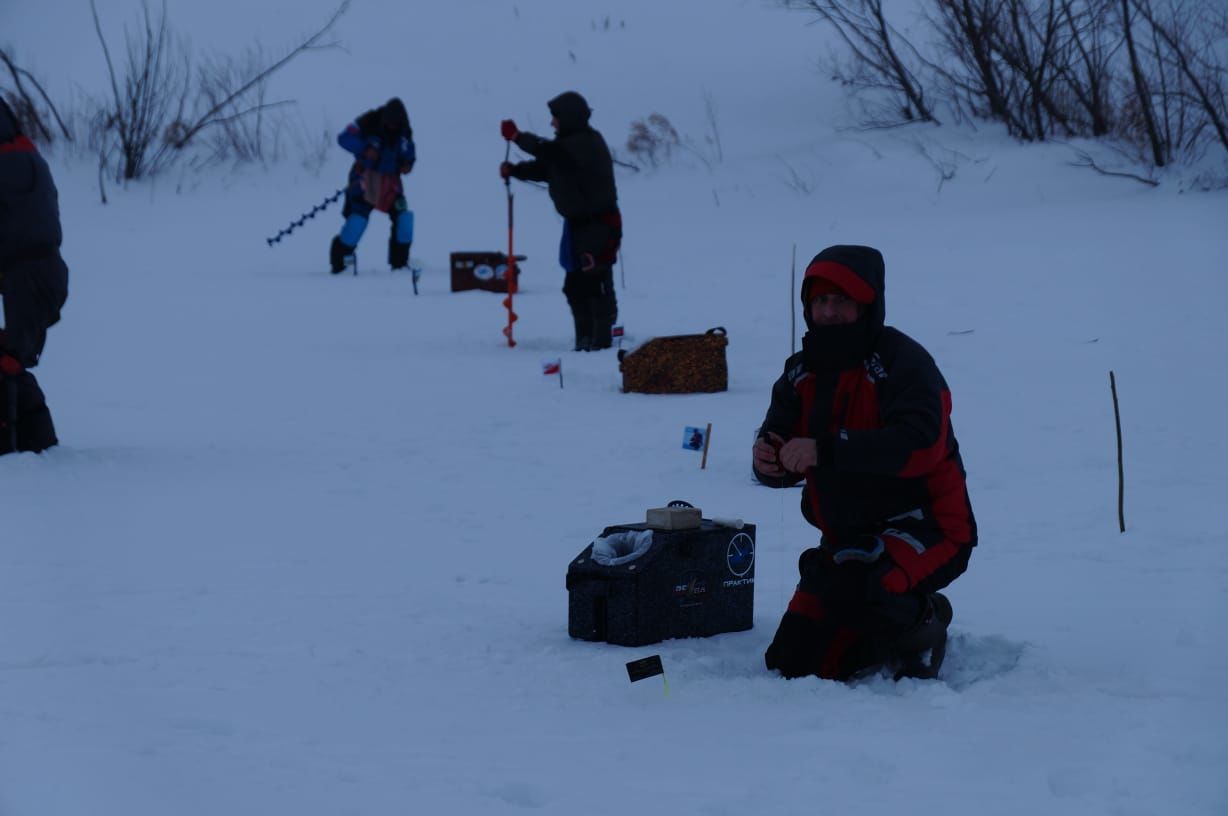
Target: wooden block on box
[(673, 518)]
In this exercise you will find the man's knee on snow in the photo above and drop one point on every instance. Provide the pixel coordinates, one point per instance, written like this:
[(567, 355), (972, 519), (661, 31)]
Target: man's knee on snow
[(797, 648)]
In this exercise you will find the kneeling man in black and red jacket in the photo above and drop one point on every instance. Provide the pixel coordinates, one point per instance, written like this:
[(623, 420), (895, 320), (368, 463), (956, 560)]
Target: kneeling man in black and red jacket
[(863, 415)]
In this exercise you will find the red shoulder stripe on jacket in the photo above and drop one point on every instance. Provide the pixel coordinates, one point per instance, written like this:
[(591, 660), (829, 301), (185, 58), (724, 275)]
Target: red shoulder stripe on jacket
[(21, 144)]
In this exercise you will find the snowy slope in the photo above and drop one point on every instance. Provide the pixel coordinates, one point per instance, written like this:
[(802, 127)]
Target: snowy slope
[(302, 548)]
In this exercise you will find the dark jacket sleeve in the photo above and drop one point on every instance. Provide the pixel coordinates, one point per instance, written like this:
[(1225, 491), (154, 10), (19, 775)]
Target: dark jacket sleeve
[(536, 146), (353, 139), (782, 418), (916, 411), (407, 153), (535, 170), (33, 277), (544, 153)]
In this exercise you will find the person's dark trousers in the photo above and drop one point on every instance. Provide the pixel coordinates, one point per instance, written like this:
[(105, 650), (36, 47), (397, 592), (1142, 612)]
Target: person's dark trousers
[(356, 213), (602, 306), (576, 289), (401, 235), (35, 430), (594, 306), (33, 289)]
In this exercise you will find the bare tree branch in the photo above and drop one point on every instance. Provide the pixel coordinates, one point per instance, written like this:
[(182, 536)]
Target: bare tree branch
[(1085, 160), (28, 102), (312, 43)]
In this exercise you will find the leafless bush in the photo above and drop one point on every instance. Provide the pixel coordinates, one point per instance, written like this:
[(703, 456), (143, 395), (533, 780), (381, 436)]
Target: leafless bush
[(314, 145), (240, 137), (1182, 97), (885, 62), (159, 105), (795, 181), (32, 112), (606, 24), (710, 151), (150, 98), (1153, 73), (653, 140)]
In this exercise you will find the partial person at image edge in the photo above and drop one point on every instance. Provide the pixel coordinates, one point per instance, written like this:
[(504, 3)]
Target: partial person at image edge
[(863, 415), (33, 285), (579, 171)]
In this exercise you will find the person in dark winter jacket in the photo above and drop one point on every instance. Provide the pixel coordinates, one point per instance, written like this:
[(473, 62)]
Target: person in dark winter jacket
[(578, 168), (33, 285), (863, 415), (382, 142)]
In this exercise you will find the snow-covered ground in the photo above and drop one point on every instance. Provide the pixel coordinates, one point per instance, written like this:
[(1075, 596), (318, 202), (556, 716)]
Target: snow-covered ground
[(302, 548)]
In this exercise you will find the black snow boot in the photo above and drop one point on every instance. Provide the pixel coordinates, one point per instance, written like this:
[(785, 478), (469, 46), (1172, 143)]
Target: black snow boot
[(337, 253), (398, 254), (24, 417), (929, 635)]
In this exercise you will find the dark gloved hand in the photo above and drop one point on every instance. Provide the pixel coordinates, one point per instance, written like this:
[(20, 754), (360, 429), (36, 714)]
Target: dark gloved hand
[(406, 167), (509, 130), (10, 365), (587, 264), (505, 170)]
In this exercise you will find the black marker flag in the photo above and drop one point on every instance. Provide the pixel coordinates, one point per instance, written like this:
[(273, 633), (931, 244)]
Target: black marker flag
[(645, 668)]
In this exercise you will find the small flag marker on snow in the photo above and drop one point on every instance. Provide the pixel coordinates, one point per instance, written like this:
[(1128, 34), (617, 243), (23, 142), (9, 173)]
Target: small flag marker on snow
[(555, 366), (617, 334), (647, 667), (695, 439)]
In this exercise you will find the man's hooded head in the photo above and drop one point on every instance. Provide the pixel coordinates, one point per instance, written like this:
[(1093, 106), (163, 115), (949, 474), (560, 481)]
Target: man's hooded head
[(571, 110), (858, 273), (392, 116)]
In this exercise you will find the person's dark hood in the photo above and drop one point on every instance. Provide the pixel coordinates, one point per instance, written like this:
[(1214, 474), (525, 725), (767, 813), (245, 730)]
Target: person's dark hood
[(858, 271), (9, 128), (393, 116), (571, 110)]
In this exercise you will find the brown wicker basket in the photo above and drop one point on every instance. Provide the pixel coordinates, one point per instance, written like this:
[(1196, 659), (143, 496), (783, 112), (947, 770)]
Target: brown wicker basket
[(682, 364)]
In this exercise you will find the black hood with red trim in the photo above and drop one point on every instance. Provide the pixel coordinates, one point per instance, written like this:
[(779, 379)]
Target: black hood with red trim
[(858, 270)]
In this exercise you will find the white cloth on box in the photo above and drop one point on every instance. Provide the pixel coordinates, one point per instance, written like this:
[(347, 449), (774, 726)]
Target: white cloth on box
[(619, 548)]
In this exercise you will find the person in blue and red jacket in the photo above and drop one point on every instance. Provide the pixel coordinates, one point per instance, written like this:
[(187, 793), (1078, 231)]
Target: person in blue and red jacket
[(33, 285), (863, 415), (382, 142)]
